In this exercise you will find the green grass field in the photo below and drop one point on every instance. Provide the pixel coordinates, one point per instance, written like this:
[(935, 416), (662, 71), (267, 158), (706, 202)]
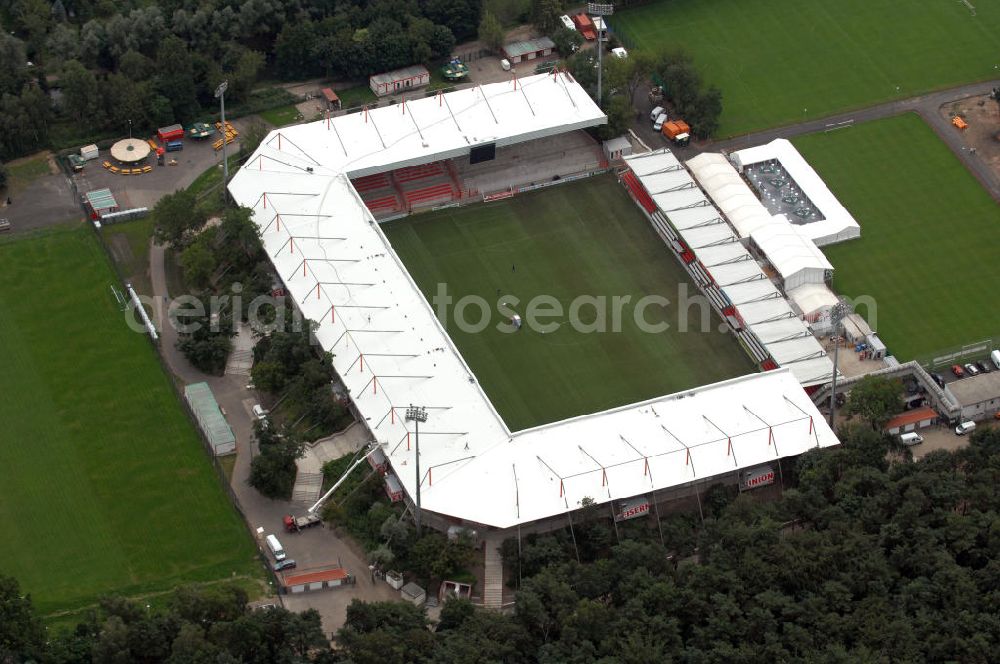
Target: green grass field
[(929, 233), (783, 61), (105, 486), (584, 238), (281, 116)]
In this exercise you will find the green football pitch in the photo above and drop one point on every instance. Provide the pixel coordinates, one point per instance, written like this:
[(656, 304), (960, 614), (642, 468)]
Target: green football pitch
[(104, 486), (583, 238), (929, 234), (783, 61)]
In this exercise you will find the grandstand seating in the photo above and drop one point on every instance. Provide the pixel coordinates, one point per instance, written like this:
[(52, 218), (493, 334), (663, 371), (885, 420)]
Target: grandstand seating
[(430, 194), (769, 365), (390, 203), (411, 173), (371, 182), (639, 192)]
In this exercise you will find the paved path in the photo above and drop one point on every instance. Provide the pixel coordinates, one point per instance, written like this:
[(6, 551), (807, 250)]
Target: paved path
[(928, 106), (315, 547)]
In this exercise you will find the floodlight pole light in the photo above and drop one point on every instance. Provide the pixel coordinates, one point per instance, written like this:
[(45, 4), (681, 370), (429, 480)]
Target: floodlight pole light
[(600, 9), (837, 314), (220, 94), (417, 414)]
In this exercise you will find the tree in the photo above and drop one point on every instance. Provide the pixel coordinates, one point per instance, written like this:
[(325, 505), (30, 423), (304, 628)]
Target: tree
[(875, 399), (546, 15), (81, 96), (198, 260), (22, 634), (252, 136), (459, 16), (272, 472), (3, 176), (491, 33), (175, 78), (705, 112), (567, 41), (175, 217)]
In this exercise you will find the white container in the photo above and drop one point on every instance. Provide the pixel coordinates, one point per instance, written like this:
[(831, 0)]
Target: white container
[(89, 152)]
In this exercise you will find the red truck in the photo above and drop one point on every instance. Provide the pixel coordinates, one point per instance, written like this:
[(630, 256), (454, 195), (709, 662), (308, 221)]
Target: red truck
[(294, 524)]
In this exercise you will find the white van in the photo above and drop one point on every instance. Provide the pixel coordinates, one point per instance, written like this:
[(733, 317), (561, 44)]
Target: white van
[(964, 428), (275, 546), (655, 113), (910, 438), (505, 64), (658, 125), (995, 358)]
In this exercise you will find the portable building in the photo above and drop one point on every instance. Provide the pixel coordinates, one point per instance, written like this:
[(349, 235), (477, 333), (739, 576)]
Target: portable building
[(529, 49), (89, 152), (171, 133), (399, 80)]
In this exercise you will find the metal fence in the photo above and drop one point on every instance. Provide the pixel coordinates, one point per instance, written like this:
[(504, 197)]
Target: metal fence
[(959, 354)]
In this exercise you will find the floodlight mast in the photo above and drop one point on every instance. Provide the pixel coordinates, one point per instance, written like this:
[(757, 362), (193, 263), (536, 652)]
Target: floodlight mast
[(417, 414), (600, 9), (837, 314), (220, 94)]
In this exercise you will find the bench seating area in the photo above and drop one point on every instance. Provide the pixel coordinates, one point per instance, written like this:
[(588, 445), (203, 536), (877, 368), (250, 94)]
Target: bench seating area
[(371, 182), (411, 173), (639, 192), (430, 194)]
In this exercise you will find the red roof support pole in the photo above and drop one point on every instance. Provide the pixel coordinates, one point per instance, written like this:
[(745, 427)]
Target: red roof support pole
[(265, 200), (291, 244), (374, 384), (687, 458), (440, 99), (392, 415), (729, 447), (303, 263), (407, 441), (361, 359), (430, 477), (277, 222), (328, 119), (810, 424), (560, 488), (317, 290), (645, 467), (366, 115), (279, 141), (770, 436), (404, 105), (333, 318)]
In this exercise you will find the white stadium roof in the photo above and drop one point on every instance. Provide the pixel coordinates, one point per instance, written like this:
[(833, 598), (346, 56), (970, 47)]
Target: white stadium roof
[(718, 248), (838, 224), (390, 350)]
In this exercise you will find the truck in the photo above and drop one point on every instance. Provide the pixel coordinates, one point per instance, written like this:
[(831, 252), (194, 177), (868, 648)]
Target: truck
[(677, 131), (294, 524), (175, 146)]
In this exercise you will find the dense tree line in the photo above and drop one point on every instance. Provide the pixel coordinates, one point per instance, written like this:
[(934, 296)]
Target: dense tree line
[(866, 560), (197, 625)]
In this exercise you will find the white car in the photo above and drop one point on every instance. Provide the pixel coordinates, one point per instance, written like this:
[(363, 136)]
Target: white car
[(259, 412), (620, 52), (568, 22)]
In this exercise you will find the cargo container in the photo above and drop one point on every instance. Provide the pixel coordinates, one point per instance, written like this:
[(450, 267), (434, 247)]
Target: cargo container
[(585, 26), (677, 131)]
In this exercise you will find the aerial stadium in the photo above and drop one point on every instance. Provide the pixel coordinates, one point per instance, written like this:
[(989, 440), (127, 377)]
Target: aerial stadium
[(320, 194)]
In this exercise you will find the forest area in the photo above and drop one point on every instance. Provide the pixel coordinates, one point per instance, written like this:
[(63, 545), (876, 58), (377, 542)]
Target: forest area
[(73, 70)]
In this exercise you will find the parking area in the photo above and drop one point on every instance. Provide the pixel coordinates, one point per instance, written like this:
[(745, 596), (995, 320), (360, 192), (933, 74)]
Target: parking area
[(46, 200), (979, 366)]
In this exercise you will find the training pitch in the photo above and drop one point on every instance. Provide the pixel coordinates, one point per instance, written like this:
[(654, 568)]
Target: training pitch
[(584, 238), (785, 61), (929, 234), (105, 487)]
